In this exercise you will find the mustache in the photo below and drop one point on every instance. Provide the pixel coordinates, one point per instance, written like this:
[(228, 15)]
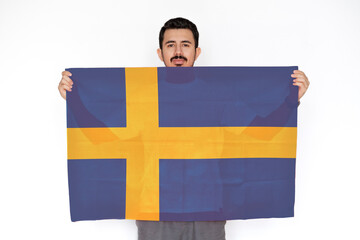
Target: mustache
[(178, 57)]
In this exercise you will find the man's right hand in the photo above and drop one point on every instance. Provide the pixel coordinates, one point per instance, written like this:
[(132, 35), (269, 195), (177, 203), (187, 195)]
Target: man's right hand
[(65, 83)]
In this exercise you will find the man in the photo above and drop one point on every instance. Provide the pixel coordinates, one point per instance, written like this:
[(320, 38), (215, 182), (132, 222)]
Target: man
[(178, 47)]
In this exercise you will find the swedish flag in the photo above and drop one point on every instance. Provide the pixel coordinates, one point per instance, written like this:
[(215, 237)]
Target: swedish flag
[(182, 144)]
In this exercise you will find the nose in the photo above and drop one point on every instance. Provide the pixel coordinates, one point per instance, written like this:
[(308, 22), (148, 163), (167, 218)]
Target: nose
[(178, 50)]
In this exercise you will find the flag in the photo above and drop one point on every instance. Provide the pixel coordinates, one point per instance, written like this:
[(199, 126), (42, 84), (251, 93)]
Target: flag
[(182, 144)]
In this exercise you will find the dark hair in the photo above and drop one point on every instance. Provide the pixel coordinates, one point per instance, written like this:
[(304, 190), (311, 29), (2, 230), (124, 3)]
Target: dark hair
[(179, 23)]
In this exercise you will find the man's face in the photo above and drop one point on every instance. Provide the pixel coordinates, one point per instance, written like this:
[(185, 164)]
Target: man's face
[(178, 48)]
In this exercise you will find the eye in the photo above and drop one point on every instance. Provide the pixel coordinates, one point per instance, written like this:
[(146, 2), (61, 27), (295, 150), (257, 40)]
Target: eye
[(186, 45), (170, 45)]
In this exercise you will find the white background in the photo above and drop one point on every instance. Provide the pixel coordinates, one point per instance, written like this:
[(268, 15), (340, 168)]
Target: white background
[(38, 39)]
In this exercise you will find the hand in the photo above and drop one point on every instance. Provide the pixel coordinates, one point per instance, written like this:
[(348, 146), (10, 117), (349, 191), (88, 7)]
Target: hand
[(302, 81), (65, 83)]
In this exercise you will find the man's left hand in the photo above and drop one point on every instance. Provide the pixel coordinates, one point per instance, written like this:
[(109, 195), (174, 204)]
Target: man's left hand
[(302, 81)]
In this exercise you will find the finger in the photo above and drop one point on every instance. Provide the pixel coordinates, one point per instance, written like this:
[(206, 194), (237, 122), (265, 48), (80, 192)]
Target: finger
[(297, 71), (302, 78), (65, 86), (65, 82), (296, 75), (302, 81), (300, 72), (300, 84), (66, 73), (67, 79)]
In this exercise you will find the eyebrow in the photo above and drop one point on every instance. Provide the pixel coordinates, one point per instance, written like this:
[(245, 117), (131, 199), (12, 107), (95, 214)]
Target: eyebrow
[(172, 41)]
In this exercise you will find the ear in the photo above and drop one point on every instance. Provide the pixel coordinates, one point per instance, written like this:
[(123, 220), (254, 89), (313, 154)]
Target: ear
[(160, 54), (197, 52)]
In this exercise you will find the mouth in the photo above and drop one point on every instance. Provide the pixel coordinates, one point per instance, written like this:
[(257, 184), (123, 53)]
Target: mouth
[(178, 60)]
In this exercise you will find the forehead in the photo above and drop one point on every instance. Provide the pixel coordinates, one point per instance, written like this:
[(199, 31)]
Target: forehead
[(178, 35)]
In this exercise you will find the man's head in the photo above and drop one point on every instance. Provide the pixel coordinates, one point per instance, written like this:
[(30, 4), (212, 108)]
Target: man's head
[(178, 40)]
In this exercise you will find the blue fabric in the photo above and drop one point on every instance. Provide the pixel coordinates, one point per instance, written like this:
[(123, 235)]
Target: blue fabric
[(190, 189), (97, 188), (97, 98), (226, 96), (223, 189)]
